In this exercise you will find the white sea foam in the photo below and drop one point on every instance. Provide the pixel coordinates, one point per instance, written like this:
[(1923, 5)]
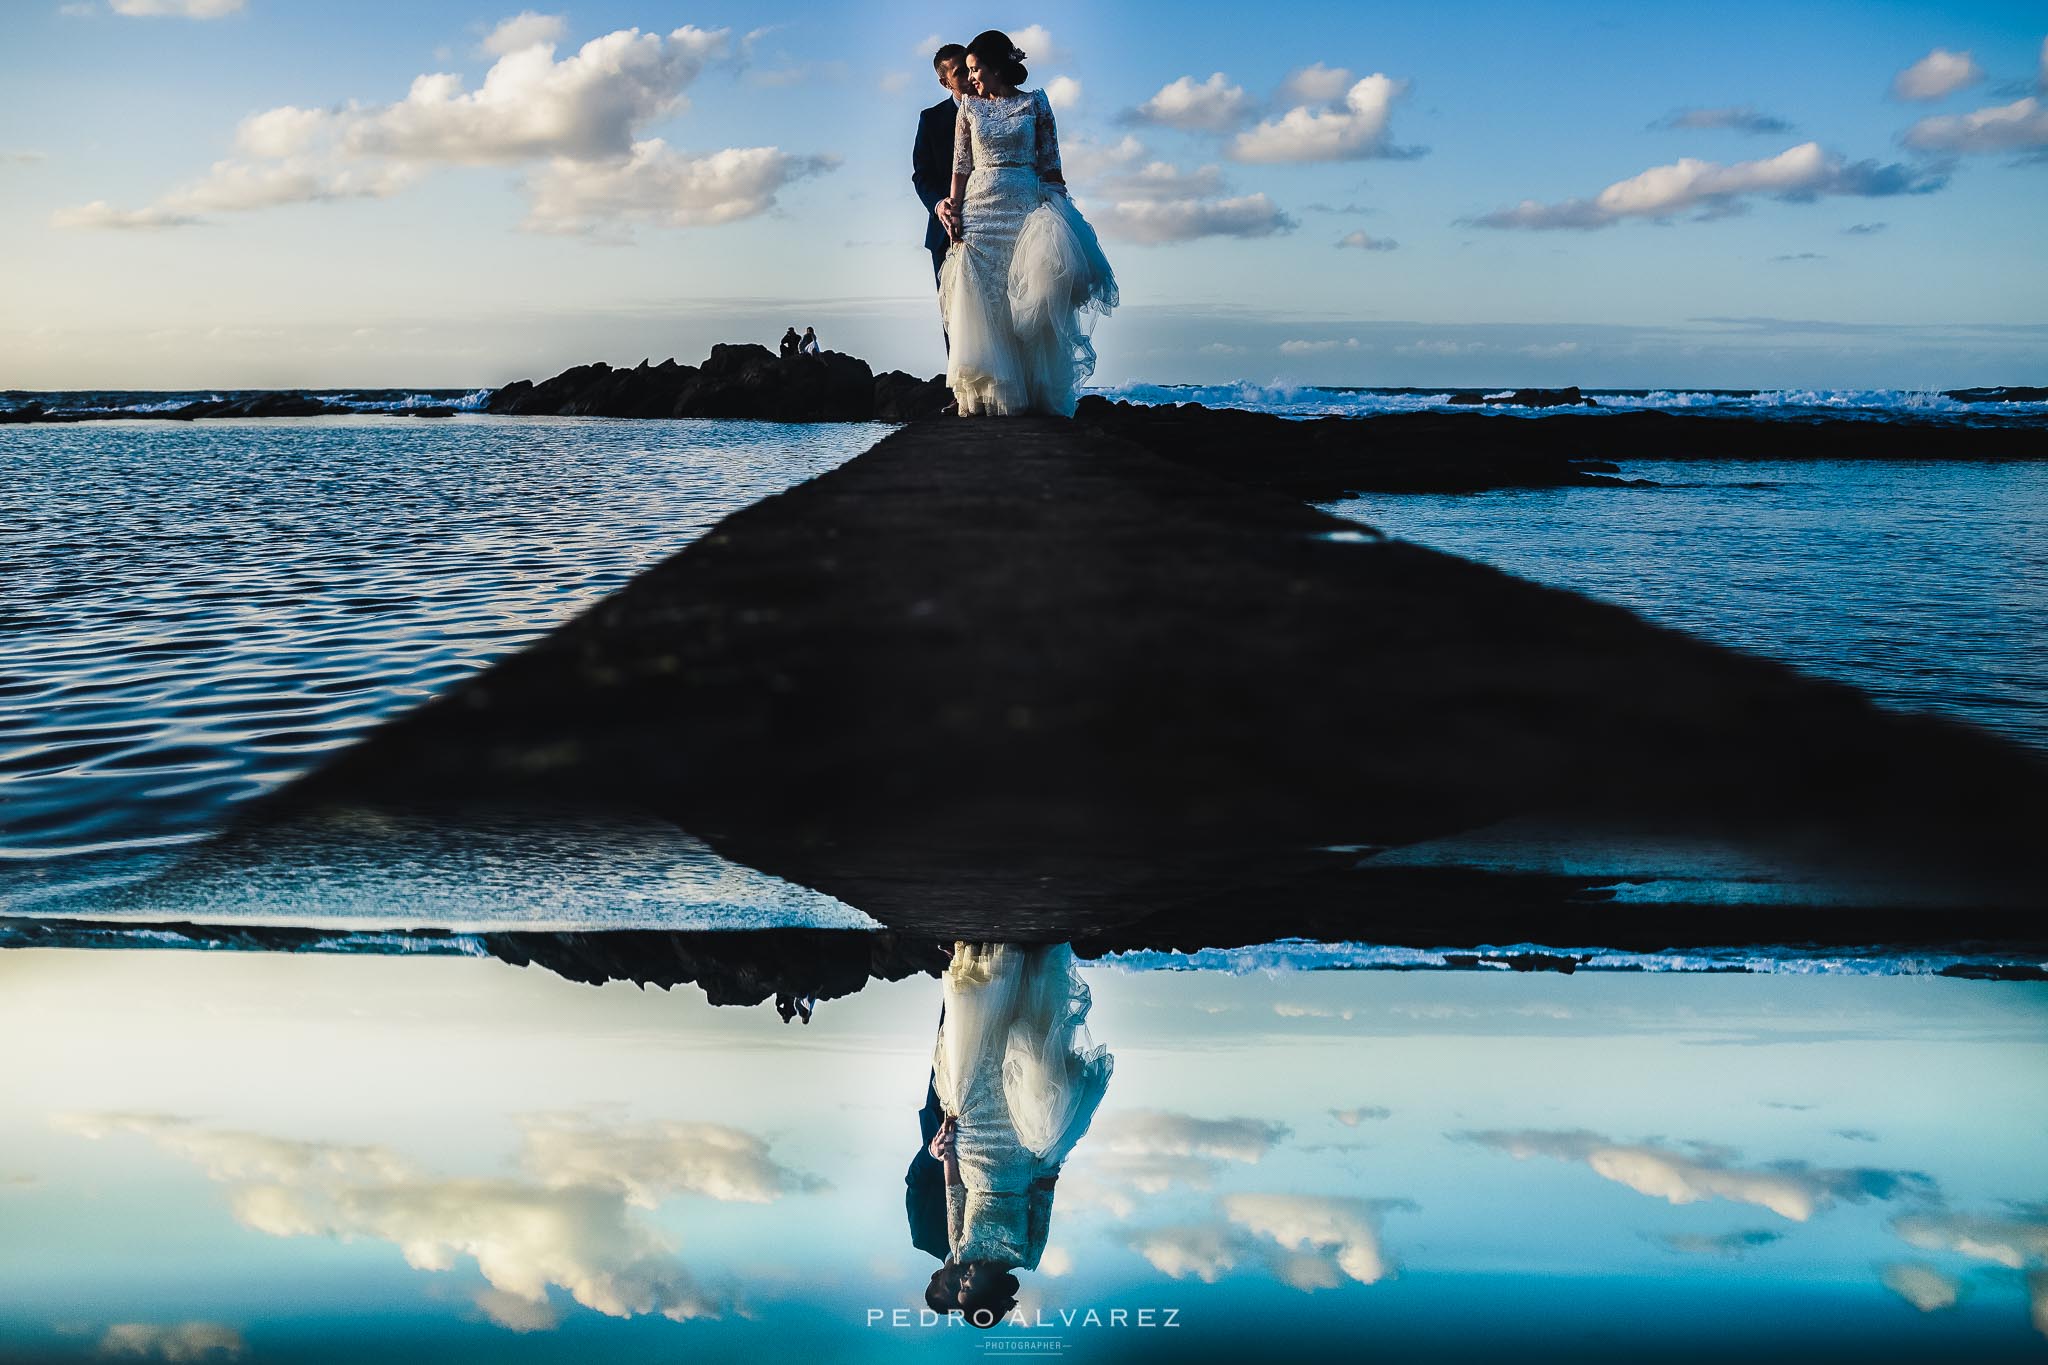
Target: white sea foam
[(1295, 400)]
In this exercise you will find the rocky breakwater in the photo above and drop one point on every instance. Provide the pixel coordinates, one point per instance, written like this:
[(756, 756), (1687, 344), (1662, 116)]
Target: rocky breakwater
[(735, 381)]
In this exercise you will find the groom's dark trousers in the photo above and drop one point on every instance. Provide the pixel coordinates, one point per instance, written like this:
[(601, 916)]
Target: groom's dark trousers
[(931, 171)]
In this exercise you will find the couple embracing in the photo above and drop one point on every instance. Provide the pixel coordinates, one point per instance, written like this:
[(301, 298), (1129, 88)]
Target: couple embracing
[(1019, 270)]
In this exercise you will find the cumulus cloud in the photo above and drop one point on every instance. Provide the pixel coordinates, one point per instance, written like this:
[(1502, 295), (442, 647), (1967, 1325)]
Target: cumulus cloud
[(1205, 1251), (1037, 44), (1302, 347), (1314, 84), (1064, 94), (2021, 126), (1138, 199), (1351, 130), (1739, 119), (1792, 1190), (662, 187), (525, 29), (1921, 1285), (184, 1341), (1213, 106), (100, 214), (1940, 73), (576, 116), (1346, 1231), (1797, 174), (565, 1222), (1363, 241), (177, 9)]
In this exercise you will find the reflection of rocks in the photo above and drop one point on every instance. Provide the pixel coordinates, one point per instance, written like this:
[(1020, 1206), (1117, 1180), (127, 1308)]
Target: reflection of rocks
[(739, 967), (1790, 1189), (565, 1223)]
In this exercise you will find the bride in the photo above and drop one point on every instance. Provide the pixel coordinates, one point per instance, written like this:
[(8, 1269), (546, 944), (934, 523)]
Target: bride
[(1024, 268), (1018, 1081)]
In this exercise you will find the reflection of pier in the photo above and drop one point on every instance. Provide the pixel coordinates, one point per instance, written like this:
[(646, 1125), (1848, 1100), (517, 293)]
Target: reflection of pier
[(1020, 677)]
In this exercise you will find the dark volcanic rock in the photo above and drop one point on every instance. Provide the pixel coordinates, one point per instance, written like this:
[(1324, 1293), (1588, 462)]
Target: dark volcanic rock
[(1331, 457), (901, 397), (431, 412), (1528, 398), (2020, 393), (739, 381)]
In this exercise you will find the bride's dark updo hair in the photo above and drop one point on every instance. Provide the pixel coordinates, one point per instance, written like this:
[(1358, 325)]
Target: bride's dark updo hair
[(1000, 56)]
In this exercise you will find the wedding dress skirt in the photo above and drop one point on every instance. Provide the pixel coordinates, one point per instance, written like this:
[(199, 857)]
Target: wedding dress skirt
[(1019, 296)]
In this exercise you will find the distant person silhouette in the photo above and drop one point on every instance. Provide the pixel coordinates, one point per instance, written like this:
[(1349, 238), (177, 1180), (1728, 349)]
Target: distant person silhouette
[(791, 343), (810, 343)]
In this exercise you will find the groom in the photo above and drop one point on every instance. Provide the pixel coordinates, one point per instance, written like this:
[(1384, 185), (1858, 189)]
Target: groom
[(931, 159)]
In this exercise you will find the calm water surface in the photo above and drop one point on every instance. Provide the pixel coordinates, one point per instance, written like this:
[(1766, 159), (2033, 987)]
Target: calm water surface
[(1924, 584), (210, 1155), (197, 612)]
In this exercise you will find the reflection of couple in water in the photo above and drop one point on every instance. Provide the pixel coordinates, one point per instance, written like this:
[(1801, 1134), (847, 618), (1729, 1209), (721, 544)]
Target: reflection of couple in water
[(1015, 1083)]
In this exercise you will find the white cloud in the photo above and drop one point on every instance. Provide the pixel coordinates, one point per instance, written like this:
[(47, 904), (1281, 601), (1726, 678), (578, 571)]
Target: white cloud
[(1184, 220), (1939, 73), (1055, 1261), (1064, 92), (1351, 131), (584, 106), (578, 116), (1555, 350), (2019, 126), (1792, 1191), (175, 1342), (525, 29), (1742, 119), (1365, 242), (894, 82), (664, 188), (1351, 1118), (1037, 45), (1085, 160), (1317, 347), (100, 214), (1798, 173), (1921, 1285), (1315, 84), (1431, 346), (1221, 348), (1213, 106), (178, 9)]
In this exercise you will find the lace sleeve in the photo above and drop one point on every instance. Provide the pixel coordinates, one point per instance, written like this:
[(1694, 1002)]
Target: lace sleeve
[(963, 142), (1047, 159)]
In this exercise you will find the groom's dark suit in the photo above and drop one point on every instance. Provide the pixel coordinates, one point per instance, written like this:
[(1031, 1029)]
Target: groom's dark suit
[(931, 170)]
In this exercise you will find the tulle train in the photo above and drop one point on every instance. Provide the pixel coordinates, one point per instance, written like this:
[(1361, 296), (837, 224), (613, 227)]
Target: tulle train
[(1021, 344)]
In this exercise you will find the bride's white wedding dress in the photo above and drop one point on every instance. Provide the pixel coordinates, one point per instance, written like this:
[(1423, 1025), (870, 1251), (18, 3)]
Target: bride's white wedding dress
[(1016, 293), (1015, 1068)]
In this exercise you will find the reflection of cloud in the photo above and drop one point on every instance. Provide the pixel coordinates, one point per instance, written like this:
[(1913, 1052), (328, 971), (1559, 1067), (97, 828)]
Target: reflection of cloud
[(1309, 1242), (2011, 1241), (1347, 1228), (565, 1224), (1729, 1244), (1161, 1132), (1789, 1189), (1921, 1285), (173, 1342), (1055, 1261)]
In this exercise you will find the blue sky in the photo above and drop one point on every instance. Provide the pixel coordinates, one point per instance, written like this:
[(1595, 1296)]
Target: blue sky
[(245, 193)]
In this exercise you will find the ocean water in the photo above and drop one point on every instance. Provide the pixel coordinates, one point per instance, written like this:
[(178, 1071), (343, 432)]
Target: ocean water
[(1925, 584), (197, 612)]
